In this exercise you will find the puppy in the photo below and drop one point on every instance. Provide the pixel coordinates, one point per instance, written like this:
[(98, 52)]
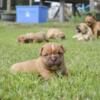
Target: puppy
[(84, 32), (95, 25), (40, 37), (30, 37), (55, 33), (51, 61), (26, 38)]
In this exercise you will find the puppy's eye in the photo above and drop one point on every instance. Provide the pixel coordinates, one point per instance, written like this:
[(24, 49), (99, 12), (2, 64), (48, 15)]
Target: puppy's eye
[(45, 54), (60, 53)]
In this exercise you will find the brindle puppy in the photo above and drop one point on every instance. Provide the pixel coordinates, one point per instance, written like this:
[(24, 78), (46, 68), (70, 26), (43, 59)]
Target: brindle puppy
[(94, 24), (30, 37), (51, 61)]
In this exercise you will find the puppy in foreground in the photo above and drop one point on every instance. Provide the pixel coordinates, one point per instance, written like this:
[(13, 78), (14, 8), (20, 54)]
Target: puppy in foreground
[(54, 33), (84, 32), (95, 25), (51, 61)]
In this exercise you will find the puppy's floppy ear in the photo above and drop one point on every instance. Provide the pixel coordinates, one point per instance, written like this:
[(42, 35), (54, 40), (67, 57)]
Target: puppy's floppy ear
[(62, 48), (41, 51)]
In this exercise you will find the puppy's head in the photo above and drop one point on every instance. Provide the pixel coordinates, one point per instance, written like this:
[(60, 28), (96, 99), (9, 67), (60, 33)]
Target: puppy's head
[(90, 20), (61, 35), (52, 55), (82, 28), (21, 39)]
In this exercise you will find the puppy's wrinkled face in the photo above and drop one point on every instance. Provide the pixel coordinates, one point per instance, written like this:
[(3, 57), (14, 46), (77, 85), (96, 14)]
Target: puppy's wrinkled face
[(82, 28), (90, 20), (53, 55)]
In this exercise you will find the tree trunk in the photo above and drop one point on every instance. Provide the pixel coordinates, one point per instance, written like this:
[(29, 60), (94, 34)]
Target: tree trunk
[(42, 2), (1, 3), (9, 6), (30, 2), (61, 17), (92, 4)]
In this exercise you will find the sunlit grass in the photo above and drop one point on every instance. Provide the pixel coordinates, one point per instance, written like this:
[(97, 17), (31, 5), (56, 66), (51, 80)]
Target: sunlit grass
[(82, 60)]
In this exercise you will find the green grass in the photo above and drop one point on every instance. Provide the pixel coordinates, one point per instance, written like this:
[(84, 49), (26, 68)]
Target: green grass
[(82, 60)]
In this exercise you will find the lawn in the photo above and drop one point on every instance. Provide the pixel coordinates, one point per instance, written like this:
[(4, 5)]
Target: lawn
[(82, 60)]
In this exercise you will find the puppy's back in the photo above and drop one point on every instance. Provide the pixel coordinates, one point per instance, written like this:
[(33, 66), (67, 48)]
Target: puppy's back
[(26, 66)]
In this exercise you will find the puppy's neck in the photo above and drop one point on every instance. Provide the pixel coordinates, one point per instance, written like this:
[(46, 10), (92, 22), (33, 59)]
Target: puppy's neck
[(94, 23)]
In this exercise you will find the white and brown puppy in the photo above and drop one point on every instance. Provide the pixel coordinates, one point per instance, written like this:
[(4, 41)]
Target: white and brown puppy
[(95, 25), (51, 61), (54, 33), (84, 32)]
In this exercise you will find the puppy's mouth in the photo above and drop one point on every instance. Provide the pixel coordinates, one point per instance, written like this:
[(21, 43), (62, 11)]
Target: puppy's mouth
[(53, 65), (89, 24)]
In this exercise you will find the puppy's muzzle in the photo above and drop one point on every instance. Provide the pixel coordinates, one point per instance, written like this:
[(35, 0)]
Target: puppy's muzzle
[(89, 23), (54, 58)]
